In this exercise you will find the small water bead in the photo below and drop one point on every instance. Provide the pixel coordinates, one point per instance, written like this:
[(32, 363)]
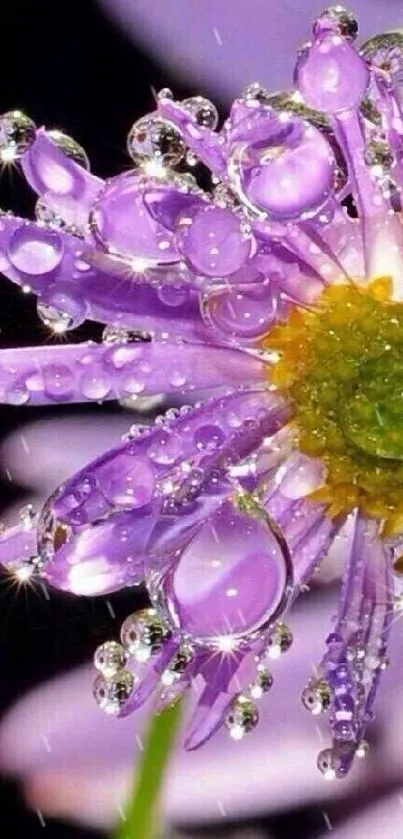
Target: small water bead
[(209, 437), (35, 250), (67, 298), (177, 377), (280, 640), (17, 394), (242, 717), (165, 93), (204, 111), (95, 384), (143, 634), (118, 335), (255, 92), (17, 133), (135, 431), (172, 294), (134, 384), (81, 264), (153, 138), (344, 730), (165, 447), (342, 673), (128, 480), (178, 666), (58, 381), (110, 658), (338, 20), (56, 319), (262, 683), (326, 764), (112, 694), (213, 240), (316, 697), (28, 517), (191, 159), (69, 147)]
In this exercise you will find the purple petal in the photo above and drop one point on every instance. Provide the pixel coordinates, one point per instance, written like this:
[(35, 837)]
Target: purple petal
[(150, 678), (88, 550), (90, 372), (103, 558), (304, 524), (356, 649), (48, 170), (222, 425), (41, 259)]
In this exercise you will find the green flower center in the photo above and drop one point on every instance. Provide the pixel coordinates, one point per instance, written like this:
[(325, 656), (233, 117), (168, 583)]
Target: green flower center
[(372, 418)]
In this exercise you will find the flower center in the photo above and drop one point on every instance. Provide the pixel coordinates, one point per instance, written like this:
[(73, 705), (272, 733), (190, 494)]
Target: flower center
[(342, 366)]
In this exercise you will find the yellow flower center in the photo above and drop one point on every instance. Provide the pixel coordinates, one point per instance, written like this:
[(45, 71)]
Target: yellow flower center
[(342, 366)]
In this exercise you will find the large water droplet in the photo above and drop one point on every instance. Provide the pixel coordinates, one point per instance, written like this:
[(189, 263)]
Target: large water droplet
[(231, 578)]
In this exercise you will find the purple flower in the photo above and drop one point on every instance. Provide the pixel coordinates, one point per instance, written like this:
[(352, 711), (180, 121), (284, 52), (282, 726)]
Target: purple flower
[(254, 282)]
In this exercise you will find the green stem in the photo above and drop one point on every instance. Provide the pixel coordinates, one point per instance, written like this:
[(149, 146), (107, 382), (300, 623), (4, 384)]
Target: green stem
[(141, 819)]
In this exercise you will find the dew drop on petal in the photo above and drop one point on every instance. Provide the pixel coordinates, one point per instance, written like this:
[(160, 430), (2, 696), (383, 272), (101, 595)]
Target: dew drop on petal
[(34, 250)]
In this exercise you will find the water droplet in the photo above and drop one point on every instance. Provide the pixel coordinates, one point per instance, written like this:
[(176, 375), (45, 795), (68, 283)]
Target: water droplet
[(153, 138), (209, 437), (58, 381), (110, 658), (17, 133), (165, 447), (56, 319), (17, 394), (204, 111), (173, 295), (177, 378), (111, 695), (95, 384), (70, 148), (143, 634), (35, 250), (242, 717)]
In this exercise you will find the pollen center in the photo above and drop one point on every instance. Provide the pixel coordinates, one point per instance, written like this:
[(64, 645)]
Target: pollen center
[(342, 366)]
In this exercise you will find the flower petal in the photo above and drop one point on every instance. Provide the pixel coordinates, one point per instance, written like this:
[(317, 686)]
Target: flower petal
[(89, 372)]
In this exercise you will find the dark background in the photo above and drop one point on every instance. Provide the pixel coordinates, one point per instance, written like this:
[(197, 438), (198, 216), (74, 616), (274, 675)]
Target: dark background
[(66, 66)]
